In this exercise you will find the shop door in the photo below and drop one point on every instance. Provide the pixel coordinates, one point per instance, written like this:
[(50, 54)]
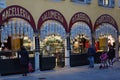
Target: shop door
[(52, 36)]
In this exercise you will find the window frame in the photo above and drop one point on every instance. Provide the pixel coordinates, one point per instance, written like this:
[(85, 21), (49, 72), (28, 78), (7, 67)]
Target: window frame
[(82, 2), (111, 3)]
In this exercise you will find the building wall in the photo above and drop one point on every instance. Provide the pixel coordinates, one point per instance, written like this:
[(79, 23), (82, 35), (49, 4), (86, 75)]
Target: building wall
[(67, 8)]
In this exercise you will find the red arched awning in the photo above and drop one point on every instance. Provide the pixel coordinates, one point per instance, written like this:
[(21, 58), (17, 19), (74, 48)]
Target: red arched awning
[(105, 18), (16, 11), (80, 17), (52, 15)]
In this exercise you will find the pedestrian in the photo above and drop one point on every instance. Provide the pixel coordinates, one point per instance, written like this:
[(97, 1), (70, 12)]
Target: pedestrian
[(90, 53), (24, 60), (111, 55)]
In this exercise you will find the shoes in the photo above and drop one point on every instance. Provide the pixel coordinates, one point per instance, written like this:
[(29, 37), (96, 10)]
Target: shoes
[(91, 66), (24, 74)]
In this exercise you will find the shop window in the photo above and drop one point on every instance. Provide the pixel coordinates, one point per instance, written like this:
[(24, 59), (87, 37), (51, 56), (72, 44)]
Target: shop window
[(106, 35), (106, 3), (80, 38), (56, 0), (82, 1), (52, 36), (119, 3)]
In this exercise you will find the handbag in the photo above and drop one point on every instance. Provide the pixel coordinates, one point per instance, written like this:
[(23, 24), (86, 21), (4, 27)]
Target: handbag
[(30, 68)]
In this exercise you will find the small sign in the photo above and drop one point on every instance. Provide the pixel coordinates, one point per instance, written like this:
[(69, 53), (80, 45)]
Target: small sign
[(2, 3)]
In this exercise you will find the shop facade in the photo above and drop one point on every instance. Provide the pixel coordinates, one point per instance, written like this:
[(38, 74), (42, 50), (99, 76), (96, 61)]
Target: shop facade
[(106, 33), (55, 38), (80, 28), (53, 28), (17, 29)]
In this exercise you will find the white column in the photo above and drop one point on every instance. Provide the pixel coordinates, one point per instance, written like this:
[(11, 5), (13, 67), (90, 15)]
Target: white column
[(67, 55), (37, 62)]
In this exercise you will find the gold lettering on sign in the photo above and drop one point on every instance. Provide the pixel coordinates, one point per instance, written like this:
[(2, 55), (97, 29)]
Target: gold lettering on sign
[(52, 14), (15, 11)]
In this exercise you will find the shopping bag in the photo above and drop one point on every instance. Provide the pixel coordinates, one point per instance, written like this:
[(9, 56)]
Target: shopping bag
[(30, 67)]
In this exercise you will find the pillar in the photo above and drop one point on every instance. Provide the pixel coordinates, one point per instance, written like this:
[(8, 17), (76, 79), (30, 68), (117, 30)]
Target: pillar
[(67, 50), (37, 52)]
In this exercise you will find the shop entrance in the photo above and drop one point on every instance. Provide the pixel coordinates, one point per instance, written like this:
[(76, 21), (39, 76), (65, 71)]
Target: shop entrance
[(106, 35), (52, 36), (80, 38)]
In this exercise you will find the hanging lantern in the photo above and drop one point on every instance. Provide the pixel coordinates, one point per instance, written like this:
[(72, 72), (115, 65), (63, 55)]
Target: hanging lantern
[(25, 31), (13, 28), (17, 28), (53, 24), (9, 28), (32, 34), (21, 29), (29, 31), (48, 31), (44, 30), (2, 35), (55, 27), (6, 31), (52, 28)]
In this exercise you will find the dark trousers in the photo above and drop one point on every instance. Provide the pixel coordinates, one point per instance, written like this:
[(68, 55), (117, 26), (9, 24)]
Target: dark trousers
[(24, 68)]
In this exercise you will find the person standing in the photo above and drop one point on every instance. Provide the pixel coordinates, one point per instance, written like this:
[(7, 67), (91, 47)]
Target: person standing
[(90, 53), (111, 55), (24, 60)]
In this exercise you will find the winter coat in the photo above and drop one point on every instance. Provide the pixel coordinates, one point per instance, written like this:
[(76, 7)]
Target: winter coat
[(24, 57)]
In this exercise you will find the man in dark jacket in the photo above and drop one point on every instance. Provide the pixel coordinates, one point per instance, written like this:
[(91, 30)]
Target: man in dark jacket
[(24, 60), (90, 53)]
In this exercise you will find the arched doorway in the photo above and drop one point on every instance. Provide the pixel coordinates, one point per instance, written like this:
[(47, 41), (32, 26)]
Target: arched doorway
[(17, 29), (80, 38), (106, 33), (52, 35), (53, 27), (80, 28)]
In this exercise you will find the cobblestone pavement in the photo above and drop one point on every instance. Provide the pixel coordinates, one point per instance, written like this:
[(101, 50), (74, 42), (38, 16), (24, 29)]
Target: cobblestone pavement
[(73, 73)]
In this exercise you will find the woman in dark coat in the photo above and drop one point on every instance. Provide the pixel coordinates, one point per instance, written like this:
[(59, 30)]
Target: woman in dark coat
[(24, 60), (111, 55)]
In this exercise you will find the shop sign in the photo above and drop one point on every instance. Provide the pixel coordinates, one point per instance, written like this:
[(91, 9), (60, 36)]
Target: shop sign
[(105, 18), (80, 16), (52, 15), (16, 11)]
